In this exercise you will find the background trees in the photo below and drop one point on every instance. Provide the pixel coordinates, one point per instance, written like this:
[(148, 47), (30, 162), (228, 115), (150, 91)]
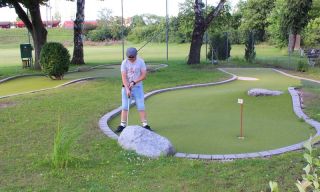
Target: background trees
[(254, 14), (201, 24)]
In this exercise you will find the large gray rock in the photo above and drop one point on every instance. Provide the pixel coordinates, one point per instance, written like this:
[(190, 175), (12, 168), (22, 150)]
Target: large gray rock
[(145, 142), (263, 92)]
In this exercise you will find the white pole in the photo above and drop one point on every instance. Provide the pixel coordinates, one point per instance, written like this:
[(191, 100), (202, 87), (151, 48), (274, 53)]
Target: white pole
[(122, 30), (167, 31)]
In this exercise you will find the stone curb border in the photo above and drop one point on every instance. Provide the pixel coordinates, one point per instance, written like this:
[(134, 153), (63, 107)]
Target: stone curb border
[(297, 77), (18, 76), (103, 124)]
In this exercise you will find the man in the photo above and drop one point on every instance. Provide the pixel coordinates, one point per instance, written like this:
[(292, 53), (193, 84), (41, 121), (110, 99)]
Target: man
[(133, 72)]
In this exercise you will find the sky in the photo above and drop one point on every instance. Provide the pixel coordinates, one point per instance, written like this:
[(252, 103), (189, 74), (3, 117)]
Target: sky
[(67, 9)]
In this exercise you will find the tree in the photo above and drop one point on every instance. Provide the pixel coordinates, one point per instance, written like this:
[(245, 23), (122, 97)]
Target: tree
[(277, 37), (250, 53), (254, 15), (295, 18), (185, 19), (34, 23), (77, 57), (221, 47), (201, 24), (312, 33)]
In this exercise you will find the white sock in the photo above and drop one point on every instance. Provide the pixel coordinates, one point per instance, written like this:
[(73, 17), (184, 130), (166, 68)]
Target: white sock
[(144, 123), (123, 123)]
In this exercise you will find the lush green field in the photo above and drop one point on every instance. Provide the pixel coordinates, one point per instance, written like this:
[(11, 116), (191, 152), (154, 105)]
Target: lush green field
[(207, 120)]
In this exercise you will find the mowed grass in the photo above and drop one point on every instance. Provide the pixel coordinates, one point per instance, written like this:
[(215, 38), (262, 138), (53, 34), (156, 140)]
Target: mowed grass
[(207, 120)]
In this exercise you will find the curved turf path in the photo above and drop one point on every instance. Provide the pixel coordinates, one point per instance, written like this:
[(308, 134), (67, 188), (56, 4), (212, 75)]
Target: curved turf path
[(31, 83), (206, 120)]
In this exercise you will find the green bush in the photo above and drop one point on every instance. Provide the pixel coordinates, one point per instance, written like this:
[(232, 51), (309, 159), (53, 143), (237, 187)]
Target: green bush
[(302, 66), (54, 60), (250, 53), (221, 45), (99, 34)]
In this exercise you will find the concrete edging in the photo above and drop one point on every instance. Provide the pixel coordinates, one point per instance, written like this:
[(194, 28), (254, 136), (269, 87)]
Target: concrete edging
[(103, 124)]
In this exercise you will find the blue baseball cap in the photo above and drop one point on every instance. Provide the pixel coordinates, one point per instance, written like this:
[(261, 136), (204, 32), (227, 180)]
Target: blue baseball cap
[(131, 52)]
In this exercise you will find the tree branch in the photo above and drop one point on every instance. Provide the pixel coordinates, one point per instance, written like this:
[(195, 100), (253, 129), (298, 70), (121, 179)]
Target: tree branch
[(22, 15), (214, 13)]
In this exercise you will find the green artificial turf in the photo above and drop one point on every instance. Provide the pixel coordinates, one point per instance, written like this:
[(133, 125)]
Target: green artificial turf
[(26, 84), (207, 120)]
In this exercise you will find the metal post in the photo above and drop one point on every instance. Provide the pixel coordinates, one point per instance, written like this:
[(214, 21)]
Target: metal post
[(227, 53), (167, 31), (206, 34), (122, 30)]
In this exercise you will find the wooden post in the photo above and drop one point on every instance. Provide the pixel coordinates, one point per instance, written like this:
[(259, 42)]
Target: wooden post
[(240, 101)]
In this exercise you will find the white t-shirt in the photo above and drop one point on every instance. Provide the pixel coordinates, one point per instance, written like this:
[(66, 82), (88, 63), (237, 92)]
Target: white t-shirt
[(133, 70)]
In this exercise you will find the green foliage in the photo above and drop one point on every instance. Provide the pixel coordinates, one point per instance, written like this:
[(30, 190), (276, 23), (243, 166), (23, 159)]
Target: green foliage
[(315, 10), (288, 17), (312, 33), (99, 34), (221, 47), (186, 19), (277, 36), (302, 66), (63, 141), (310, 180), (250, 53), (109, 27), (254, 17), (54, 60), (151, 32), (296, 16)]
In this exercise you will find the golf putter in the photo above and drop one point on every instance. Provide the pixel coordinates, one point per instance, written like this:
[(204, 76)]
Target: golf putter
[(129, 98)]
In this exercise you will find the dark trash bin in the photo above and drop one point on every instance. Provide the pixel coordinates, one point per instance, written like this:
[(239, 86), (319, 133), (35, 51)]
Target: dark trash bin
[(26, 54)]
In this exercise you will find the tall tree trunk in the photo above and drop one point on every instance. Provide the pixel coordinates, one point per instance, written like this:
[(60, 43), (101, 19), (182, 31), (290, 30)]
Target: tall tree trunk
[(292, 42), (35, 27), (39, 34), (200, 26), (77, 57), (195, 47)]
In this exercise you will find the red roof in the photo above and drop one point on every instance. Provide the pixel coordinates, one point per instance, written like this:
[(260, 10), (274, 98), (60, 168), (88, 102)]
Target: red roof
[(69, 24), (19, 24)]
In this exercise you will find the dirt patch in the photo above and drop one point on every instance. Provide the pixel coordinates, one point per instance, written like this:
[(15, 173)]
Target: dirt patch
[(7, 104), (307, 97)]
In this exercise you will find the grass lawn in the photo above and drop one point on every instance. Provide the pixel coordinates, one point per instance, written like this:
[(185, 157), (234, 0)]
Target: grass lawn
[(207, 120)]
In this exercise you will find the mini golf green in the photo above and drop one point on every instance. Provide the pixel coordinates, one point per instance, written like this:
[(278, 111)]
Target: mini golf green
[(206, 120), (32, 83)]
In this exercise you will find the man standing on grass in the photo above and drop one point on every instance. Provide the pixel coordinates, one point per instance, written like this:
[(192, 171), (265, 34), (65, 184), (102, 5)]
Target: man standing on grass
[(133, 72)]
